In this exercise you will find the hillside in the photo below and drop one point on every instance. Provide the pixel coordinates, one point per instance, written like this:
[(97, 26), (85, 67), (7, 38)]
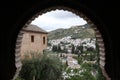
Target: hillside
[(75, 31)]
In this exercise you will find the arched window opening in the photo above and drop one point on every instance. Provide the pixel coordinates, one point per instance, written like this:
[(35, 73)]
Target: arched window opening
[(79, 48), (44, 42), (32, 38)]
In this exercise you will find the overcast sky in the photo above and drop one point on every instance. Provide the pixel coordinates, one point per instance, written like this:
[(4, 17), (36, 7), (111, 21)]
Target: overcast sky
[(58, 19)]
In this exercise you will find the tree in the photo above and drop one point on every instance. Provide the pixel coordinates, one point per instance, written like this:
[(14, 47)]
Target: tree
[(59, 48), (54, 48), (49, 44), (73, 49), (65, 50), (28, 69), (41, 68), (80, 48), (79, 53), (50, 68)]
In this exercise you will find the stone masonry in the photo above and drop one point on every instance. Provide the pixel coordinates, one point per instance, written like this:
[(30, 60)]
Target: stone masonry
[(34, 40)]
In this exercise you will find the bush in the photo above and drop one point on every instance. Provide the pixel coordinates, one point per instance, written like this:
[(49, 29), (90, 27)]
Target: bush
[(50, 68), (41, 68)]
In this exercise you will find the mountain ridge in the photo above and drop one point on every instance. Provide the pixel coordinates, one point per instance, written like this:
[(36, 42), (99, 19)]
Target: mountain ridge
[(82, 31)]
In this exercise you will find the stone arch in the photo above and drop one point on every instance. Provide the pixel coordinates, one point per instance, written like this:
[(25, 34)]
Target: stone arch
[(99, 38)]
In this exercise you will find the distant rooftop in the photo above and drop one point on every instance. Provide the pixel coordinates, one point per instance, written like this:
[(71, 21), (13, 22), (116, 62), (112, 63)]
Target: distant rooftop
[(34, 28)]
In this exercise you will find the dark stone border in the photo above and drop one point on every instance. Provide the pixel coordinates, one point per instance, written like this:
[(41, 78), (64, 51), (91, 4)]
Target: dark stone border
[(98, 37)]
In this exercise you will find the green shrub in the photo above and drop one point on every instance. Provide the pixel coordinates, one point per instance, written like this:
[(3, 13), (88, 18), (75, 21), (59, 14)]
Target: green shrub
[(44, 67)]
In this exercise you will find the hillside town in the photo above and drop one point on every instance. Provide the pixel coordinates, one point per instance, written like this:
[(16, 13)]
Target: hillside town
[(67, 42), (68, 49), (59, 52)]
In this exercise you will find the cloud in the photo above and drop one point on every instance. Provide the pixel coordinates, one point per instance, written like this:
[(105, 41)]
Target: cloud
[(60, 14), (58, 19)]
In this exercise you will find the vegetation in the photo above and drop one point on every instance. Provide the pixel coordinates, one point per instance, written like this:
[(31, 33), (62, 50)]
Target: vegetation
[(89, 68), (50, 67), (54, 48), (41, 68), (75, 32)]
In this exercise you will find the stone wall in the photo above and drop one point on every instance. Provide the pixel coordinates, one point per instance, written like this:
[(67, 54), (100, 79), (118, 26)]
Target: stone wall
[(36, 46)]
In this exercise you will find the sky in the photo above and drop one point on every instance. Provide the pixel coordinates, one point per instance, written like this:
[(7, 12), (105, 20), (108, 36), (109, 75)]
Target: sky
[(58, 19)]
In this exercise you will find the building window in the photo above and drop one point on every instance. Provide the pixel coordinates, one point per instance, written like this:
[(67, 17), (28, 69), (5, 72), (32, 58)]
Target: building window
[(43, 40), (32, 38)]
